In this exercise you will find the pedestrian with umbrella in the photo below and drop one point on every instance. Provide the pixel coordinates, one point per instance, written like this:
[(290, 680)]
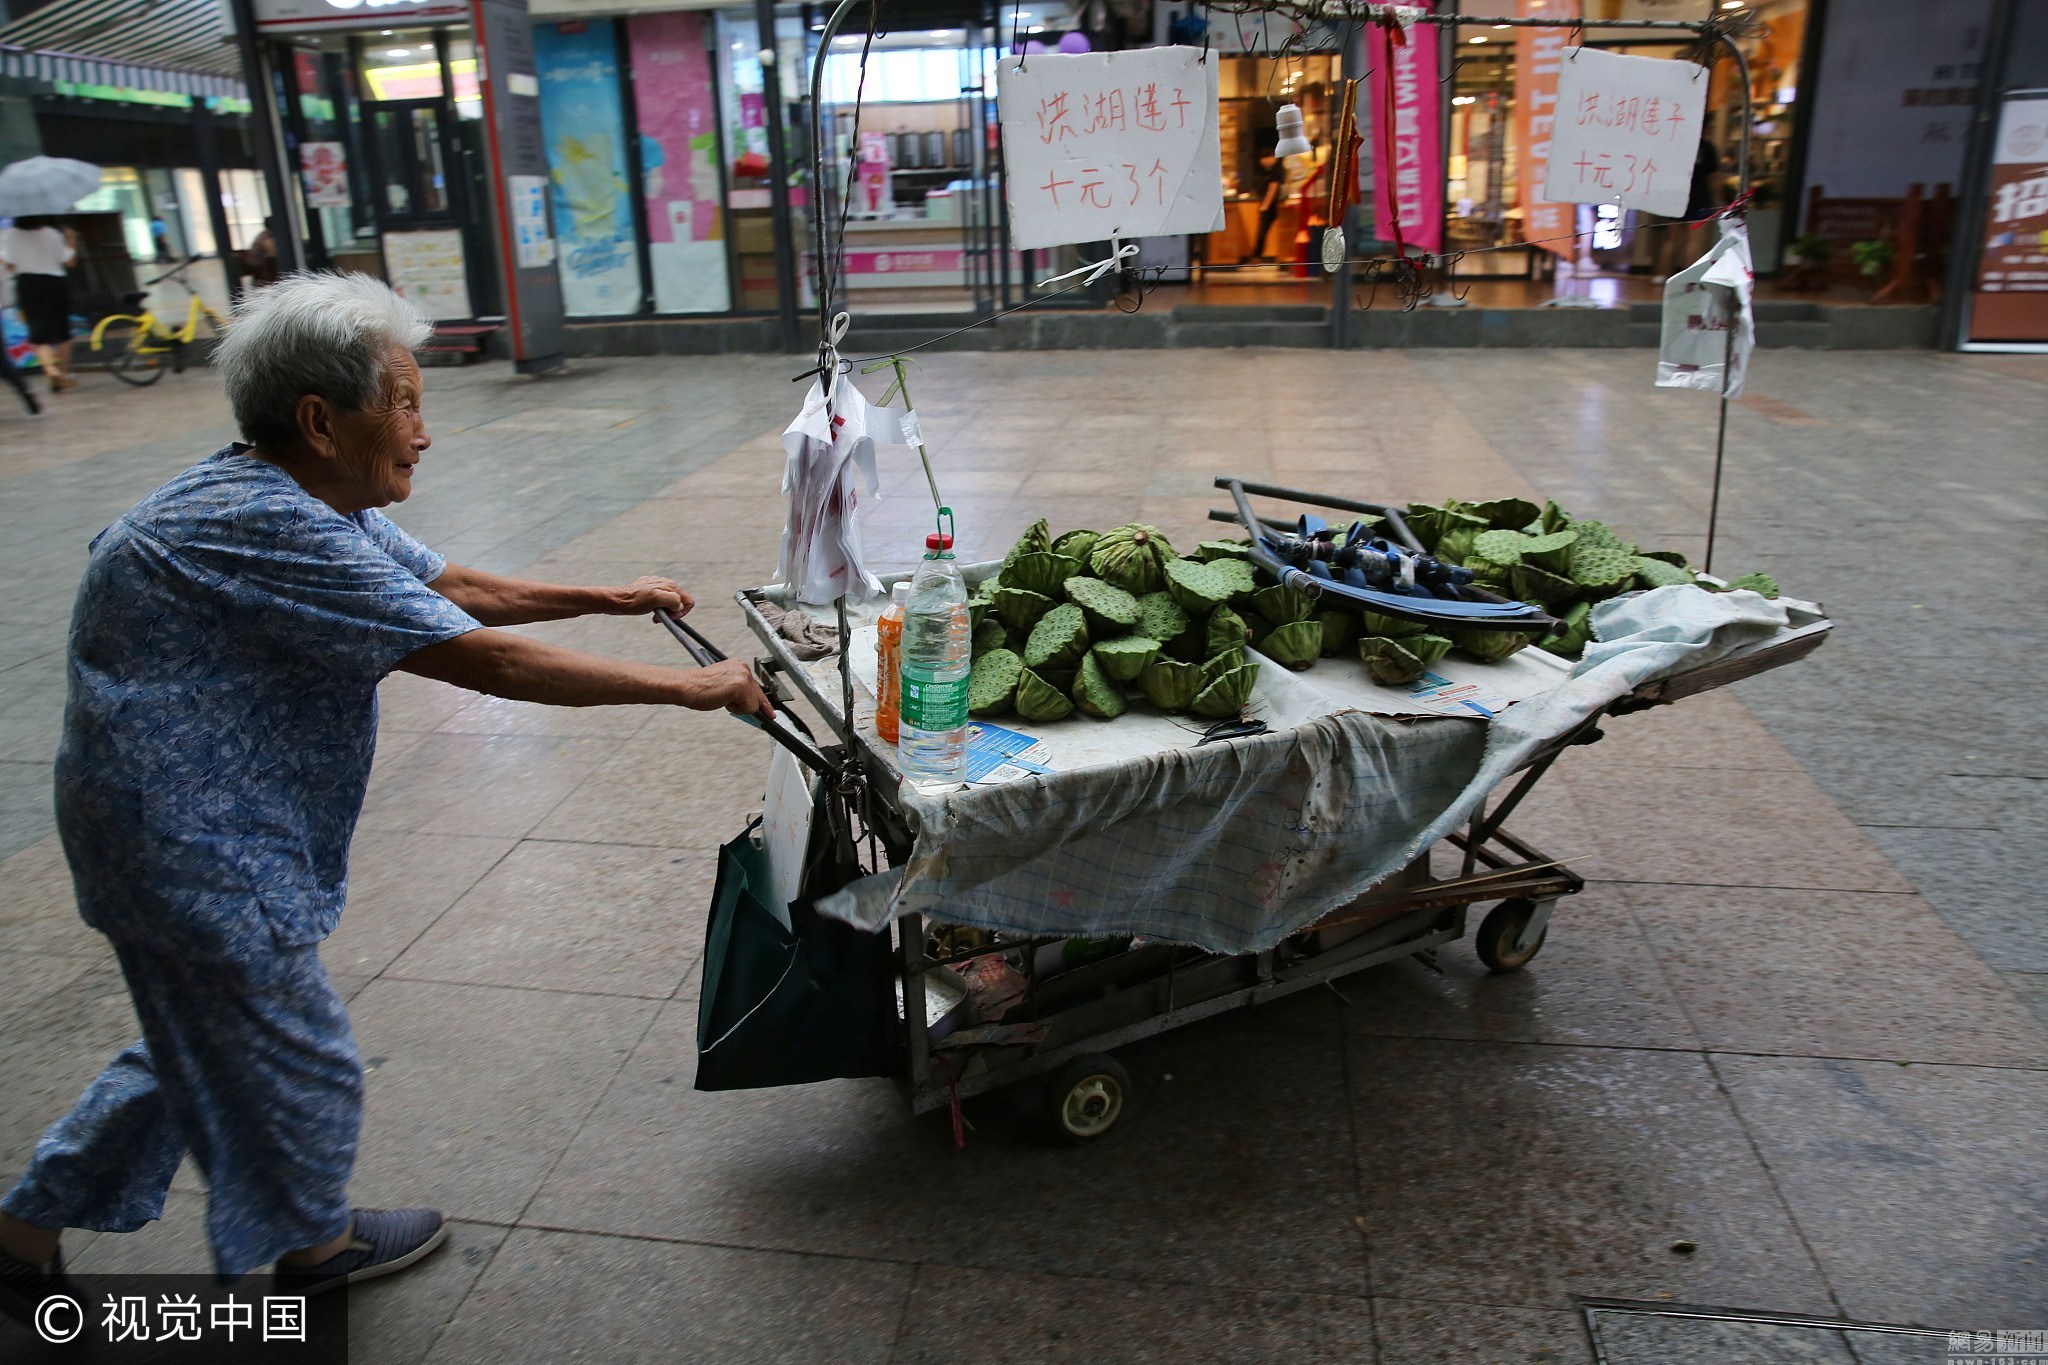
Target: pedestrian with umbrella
[(39, 251)]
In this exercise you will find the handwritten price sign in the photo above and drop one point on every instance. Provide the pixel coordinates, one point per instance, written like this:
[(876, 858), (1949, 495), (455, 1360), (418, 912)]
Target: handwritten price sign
[(1627, 131), (1110, 143)]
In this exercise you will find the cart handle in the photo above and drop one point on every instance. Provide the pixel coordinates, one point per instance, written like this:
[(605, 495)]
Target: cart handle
[(804, 750)]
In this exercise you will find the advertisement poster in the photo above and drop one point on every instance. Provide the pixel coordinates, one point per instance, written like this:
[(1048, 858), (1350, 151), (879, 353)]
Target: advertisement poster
[(677, 110), (873, 199), (1407, 159), (1538, 53), (532, 243), (2010, 301), (583, 125), (427, 268), (324, 168)]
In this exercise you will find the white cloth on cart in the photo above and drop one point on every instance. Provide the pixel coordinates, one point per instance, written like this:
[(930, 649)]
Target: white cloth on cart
[(830, 468), (1235, 845)]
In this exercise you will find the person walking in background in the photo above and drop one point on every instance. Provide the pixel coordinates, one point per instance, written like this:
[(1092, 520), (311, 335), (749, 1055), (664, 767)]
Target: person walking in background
[(12, 377), (38, 252)]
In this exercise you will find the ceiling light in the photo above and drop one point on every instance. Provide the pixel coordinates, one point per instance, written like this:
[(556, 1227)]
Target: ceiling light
[(386, 33), (1464, 99), (1503, 26), (1036, 28), (426, 47), (1480, 39), (399, 52), (940, 33), (1731, 4)]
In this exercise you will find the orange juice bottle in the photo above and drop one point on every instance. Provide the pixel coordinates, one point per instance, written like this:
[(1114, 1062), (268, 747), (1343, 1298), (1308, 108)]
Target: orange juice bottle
[(889, 662)]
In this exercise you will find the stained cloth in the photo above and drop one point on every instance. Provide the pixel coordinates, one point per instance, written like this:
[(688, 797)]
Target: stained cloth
[(1233, 846)]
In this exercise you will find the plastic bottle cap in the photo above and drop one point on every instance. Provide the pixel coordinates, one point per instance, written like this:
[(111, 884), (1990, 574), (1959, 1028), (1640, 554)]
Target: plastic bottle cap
[(938, 540), (900, 594)]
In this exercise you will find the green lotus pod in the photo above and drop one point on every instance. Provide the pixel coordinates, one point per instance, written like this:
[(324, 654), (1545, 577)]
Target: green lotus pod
[(1110, 610), (1430, 522), (1225, 631), (1295, 645), (1095, 694), (1281, 604), (1455, 545), (1666, 557), (1044, 572), (1077, 544), (1396, 663), (1123, 659), (1040, 701), (1596, 535), (1553, 518), (1552, 552), (1492, 577), (1037, 539), (1132, 557), (1658, 573), (1488, 646), (1532, 584), (1570, 642), (1244, 580), (1222, 663), (1170, 686), (1754, 582), (1020, 608), (1341, 630), (1210, 550), (1160, 617), (1199, 588), (1604, 572), (989, 635), (1229, 694), (1497, 547), (992, 686), (1507, 514), (1058, 640), (1392, 627), (977, 611)]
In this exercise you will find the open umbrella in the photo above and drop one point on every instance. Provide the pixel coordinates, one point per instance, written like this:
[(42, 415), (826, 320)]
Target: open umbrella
[(45, 185)]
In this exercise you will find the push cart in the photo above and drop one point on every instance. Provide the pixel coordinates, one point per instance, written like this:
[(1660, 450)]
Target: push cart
[(1069, 1001)]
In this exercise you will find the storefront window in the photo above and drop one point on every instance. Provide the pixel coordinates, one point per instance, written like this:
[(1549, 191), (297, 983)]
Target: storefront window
[(469, 99), (400, 64), (676, 107), (750, 197), (1268, 201), (583, 125), (121, 192)]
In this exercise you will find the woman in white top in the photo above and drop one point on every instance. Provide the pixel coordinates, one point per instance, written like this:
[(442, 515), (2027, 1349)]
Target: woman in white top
[(37, 252)]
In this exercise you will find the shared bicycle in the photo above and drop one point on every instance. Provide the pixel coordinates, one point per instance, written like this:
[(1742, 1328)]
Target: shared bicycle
[(139, 345)]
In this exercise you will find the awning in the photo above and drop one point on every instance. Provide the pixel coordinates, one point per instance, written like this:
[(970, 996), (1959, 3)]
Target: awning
[(172, 45)]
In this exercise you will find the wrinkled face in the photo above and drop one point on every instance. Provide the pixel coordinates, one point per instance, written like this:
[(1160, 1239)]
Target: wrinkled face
[(375, 450)]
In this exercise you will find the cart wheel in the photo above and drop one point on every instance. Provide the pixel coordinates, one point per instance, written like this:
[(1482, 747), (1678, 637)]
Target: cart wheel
[(1501, 930), (1085, 1098)]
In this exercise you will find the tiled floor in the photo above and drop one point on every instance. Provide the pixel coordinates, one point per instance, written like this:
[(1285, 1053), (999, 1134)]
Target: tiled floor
[(1796, 1020)]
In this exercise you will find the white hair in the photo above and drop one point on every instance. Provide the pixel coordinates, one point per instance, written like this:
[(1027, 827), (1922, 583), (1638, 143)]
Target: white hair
[(315, 333)]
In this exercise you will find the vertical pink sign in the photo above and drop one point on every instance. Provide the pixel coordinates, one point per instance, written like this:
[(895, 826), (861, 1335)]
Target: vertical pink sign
[(1407, 138), (679, 171)]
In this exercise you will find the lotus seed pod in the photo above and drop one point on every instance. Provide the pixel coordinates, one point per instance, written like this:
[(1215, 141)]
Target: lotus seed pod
[(1242, 578), (1658, 573), (1125, 658), (1132, 557), (1392, 627), (1488, 646), (990, 635), (1666, 557), (1225, 631), (1604, 566), (1198, 588), (1552, 552), (1039, 701), (1222, 663), (1095, 693), (1761, 583), (1554, 518), (1455, 545), (1037, 539), (1043, 572), (1396, 663), (1499, 547), (1341, 630), (1282, 605), (1211, 550), (1077, 545), (1171, 686), (1532, 584), (1110, 610), (1296, 644), (1020, 608), (1429, 522), (1160, 617), (992, 686), (1228, 695), (1058, 640), (1570, 642), (1596, 535)]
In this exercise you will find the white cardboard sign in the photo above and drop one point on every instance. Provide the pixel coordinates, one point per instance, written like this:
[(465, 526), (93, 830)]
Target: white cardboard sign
[(1628, 130), (1108, 144)]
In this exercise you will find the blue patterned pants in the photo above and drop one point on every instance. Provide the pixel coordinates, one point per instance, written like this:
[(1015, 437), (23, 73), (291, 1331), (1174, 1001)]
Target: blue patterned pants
[(250, 1066)]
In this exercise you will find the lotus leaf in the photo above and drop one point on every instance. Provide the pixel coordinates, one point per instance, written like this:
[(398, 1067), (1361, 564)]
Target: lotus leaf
[(1570, 642), (1658, 573), (1132, 557), (1229, 694), (1225, 631), (1077, 544), (1095, 693), (1044, 572), (1020, 608), (1532, 584), (1281, 604), (1171, 686), (1340, 631), (989, 635), (992, 686), (1039, 701), (1396, 663), (1058, 640), (1199, 588), (1160, 617), (1222, 549), (1124, 659), (1489, 646), (1110, 610), (1296, 644)]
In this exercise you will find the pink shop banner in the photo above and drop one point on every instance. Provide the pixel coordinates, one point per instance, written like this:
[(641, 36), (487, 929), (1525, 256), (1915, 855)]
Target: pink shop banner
[(1407, 149)]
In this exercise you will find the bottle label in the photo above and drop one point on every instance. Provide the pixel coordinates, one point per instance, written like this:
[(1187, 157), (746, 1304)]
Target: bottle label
[(933, 704)]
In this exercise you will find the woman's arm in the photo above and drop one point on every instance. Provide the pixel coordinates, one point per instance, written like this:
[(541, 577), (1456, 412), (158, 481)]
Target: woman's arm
[(520, 669), (497, 600)]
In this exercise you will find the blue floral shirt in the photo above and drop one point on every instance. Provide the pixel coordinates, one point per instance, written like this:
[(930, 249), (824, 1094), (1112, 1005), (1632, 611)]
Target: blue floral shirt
[(226, 647)]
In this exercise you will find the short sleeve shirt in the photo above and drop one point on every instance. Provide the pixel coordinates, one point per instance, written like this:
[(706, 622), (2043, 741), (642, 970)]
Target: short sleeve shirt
[(225, 651)]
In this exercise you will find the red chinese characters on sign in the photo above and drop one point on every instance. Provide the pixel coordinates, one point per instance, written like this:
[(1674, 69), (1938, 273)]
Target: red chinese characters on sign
[(1627, 132), (1103, 111)]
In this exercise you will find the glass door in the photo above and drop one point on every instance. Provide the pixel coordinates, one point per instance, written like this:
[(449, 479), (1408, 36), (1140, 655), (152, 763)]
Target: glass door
[(420, 224)]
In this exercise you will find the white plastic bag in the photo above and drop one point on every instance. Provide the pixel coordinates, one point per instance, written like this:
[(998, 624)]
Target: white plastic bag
[(829, 470), (1701, 304)]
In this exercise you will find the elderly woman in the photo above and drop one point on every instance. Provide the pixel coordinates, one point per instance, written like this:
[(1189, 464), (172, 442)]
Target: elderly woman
[(225, 651)]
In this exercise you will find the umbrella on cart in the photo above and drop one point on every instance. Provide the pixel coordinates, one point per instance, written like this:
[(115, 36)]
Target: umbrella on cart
[(44, 185)]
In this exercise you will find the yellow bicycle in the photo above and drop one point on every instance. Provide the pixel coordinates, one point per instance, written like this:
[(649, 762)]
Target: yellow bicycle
[(138, 344)]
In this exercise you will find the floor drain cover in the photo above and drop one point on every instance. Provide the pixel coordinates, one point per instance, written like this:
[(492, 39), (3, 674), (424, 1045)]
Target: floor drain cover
[(1625, 1333)]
